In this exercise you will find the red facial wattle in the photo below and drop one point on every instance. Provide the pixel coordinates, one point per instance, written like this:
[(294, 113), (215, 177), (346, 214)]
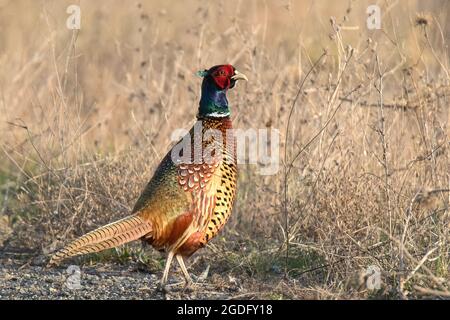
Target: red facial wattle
[(222, 76)]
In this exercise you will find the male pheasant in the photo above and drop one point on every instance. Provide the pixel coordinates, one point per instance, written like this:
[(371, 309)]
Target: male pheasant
[(191, 194)]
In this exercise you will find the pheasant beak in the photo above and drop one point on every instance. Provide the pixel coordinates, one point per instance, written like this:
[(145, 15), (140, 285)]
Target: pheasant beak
[(239, 76)]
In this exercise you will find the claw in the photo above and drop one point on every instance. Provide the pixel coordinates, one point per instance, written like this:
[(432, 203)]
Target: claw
[(163, 288), (189, 286)]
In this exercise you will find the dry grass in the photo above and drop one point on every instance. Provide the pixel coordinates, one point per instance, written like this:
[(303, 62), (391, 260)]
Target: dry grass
[(86, 116)]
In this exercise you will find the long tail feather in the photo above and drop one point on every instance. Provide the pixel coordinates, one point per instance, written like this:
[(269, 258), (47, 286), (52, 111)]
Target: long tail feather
[(112, 235)]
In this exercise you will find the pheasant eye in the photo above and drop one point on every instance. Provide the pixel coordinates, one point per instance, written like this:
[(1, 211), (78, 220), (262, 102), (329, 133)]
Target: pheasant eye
[(221, 73)]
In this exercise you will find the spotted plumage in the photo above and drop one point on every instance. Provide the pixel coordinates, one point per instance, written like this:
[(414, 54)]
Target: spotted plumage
[(189, 199)]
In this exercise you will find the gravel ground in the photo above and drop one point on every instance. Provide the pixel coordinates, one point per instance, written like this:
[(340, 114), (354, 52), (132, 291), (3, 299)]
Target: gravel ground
[(29, 279)]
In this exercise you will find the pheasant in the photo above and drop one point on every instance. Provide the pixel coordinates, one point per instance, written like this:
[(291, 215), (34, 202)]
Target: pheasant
[(191, 194)]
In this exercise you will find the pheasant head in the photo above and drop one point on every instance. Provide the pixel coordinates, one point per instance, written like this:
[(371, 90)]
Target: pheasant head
[(216, 82)]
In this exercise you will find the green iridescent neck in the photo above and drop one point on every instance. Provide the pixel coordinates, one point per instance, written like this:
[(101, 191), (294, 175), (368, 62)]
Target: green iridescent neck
[(213, 102)]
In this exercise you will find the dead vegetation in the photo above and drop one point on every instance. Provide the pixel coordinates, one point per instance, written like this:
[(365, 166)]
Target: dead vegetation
[(364, 177)]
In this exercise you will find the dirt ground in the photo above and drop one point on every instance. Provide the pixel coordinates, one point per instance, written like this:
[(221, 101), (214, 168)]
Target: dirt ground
[(26, 277)]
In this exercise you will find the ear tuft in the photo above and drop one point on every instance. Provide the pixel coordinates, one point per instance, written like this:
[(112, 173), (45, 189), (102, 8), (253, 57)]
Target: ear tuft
[(202, 73)]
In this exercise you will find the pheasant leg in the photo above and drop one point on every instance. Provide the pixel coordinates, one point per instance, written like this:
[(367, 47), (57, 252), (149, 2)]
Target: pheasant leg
[(184, 269), (166, 269)]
